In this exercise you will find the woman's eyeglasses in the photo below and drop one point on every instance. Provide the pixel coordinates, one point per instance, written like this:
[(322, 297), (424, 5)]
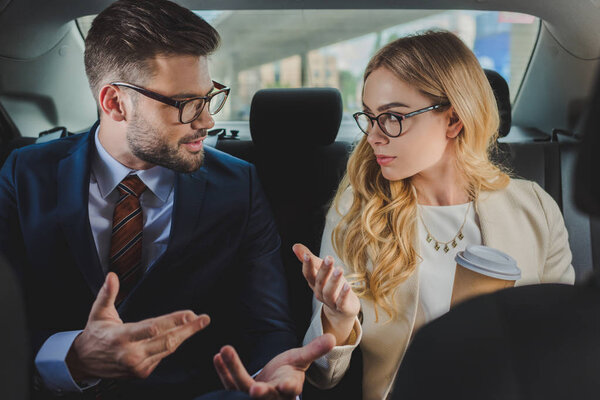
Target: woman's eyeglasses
[(390, 123), (189, 109)]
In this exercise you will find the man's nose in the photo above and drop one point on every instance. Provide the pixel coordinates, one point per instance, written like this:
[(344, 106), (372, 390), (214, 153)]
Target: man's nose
[(204, 121)]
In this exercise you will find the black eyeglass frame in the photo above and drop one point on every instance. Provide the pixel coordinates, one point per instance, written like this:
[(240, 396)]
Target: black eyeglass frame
[(180, 104), (399, 117)]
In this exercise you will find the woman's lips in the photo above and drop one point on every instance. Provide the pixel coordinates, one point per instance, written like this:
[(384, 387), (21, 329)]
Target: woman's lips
[(384, 160), (194, 146)]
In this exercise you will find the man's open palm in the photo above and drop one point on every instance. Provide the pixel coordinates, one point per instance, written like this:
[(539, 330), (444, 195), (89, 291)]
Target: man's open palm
[(108, 348), (282, 378)]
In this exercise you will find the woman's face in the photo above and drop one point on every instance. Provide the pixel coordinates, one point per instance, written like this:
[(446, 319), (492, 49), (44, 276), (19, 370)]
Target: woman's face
[(424, 142)]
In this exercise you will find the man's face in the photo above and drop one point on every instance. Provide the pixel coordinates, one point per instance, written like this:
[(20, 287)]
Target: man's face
[(154, 133)]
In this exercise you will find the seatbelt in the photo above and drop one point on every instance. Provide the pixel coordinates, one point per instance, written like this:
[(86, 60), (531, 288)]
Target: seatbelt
[(595, 239)]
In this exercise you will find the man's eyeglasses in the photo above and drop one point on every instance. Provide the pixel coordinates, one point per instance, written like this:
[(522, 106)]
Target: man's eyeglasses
[(189, 109), (389, 122)]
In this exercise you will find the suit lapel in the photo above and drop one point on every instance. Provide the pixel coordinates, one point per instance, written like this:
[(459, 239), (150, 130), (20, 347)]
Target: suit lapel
[(187, 204), (73, 192), (189, 194), (492, 221), (506, 226)]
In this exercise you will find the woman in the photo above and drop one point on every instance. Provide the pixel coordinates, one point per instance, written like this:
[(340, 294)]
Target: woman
[(419, 187)]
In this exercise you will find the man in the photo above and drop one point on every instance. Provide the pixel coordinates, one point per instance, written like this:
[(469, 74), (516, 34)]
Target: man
[(134, 229)]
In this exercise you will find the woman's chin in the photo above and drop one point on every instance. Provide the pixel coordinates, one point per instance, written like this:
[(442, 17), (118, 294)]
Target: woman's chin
[(392, 175)]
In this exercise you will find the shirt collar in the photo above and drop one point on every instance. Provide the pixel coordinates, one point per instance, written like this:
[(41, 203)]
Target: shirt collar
[(110, 172)]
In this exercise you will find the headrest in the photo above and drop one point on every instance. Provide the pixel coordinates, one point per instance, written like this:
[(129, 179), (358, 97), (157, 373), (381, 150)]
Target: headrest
[(306, 117), (500, 89), (587, 190)]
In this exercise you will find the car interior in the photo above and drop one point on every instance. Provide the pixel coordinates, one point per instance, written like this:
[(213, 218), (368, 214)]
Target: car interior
[(44, 95)]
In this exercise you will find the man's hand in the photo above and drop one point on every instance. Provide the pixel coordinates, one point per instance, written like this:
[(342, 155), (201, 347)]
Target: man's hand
[(108, 348), (340, 304), (281, 379)]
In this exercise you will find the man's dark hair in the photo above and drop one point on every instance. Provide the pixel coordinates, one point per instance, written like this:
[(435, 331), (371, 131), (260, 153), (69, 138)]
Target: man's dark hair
[(127, 34)]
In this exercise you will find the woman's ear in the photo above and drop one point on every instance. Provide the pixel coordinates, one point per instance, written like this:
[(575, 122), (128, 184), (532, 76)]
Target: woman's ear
[(455, 125), (111, 103)]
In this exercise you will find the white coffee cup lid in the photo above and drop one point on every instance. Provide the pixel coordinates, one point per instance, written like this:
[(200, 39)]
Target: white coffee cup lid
[(488, 261)]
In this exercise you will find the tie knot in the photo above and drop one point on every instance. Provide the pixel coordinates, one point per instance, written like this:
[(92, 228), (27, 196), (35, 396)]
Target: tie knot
[(133, 185)]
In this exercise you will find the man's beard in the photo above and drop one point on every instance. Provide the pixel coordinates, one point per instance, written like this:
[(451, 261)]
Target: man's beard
[(147, 144)]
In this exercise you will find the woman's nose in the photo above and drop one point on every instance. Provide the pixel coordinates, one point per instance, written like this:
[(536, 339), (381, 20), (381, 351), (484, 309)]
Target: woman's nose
[(376, 136)]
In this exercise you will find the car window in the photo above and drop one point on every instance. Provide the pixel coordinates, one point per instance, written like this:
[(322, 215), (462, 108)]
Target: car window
[(320, 48)]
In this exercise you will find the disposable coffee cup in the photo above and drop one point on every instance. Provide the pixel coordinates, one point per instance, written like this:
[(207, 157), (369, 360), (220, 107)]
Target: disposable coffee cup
[(481, 270)]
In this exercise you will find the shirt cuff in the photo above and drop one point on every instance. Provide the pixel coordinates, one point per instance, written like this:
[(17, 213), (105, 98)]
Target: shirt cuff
[(50, 362)]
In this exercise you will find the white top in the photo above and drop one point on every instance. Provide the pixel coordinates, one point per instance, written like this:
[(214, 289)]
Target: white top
[(436, 271)]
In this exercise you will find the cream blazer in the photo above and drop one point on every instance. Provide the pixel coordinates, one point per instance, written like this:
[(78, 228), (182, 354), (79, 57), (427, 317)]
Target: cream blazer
[(521, 220)]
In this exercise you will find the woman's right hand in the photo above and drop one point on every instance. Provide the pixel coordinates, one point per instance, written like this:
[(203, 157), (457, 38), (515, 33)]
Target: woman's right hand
[(340, 304)]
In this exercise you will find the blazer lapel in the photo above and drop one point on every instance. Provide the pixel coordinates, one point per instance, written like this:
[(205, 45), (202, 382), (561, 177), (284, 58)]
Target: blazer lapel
[(506, 226), (189, 193), (492, 221), (73, 192)]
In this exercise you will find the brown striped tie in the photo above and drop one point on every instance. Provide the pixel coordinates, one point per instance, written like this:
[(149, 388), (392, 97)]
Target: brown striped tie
[(126, 242)]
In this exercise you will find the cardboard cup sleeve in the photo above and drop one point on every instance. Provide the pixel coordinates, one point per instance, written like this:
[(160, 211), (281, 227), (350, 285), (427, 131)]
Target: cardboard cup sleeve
[(481, 270)]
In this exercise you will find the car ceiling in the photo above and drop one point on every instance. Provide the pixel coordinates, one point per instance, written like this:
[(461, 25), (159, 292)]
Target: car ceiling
[(40, 24), (38, 40)]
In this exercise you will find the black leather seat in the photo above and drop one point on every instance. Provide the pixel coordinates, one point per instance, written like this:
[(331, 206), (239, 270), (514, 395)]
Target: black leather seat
[(14, 346), (530, 342), (10, 137), (538, 157), (300, 165), (529, 159)]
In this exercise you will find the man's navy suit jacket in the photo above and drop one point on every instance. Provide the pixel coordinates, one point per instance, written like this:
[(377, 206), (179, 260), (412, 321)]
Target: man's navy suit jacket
[(222, 259)]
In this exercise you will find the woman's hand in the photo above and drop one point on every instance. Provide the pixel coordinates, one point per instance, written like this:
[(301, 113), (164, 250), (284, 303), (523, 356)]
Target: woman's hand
[(340, 304)]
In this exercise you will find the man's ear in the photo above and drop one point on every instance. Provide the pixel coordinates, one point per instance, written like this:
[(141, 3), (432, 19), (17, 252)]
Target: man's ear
[(112, 103), (455, 125)]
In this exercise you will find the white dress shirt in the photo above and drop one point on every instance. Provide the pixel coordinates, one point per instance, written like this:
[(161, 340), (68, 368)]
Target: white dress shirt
[(157, 209), (156, 202)]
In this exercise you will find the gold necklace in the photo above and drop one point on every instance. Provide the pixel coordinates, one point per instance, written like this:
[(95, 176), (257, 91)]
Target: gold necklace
[(452, 242)]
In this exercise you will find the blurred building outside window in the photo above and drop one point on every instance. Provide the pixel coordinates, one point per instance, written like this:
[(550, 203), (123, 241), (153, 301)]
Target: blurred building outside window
[(331, 48)]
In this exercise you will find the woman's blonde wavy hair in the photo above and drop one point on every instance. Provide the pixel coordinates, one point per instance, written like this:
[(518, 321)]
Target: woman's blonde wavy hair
[(380, 227)]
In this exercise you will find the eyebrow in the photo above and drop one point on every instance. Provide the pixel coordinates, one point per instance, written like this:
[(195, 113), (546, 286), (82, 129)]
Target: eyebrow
[(190, 95), (387, 106)]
